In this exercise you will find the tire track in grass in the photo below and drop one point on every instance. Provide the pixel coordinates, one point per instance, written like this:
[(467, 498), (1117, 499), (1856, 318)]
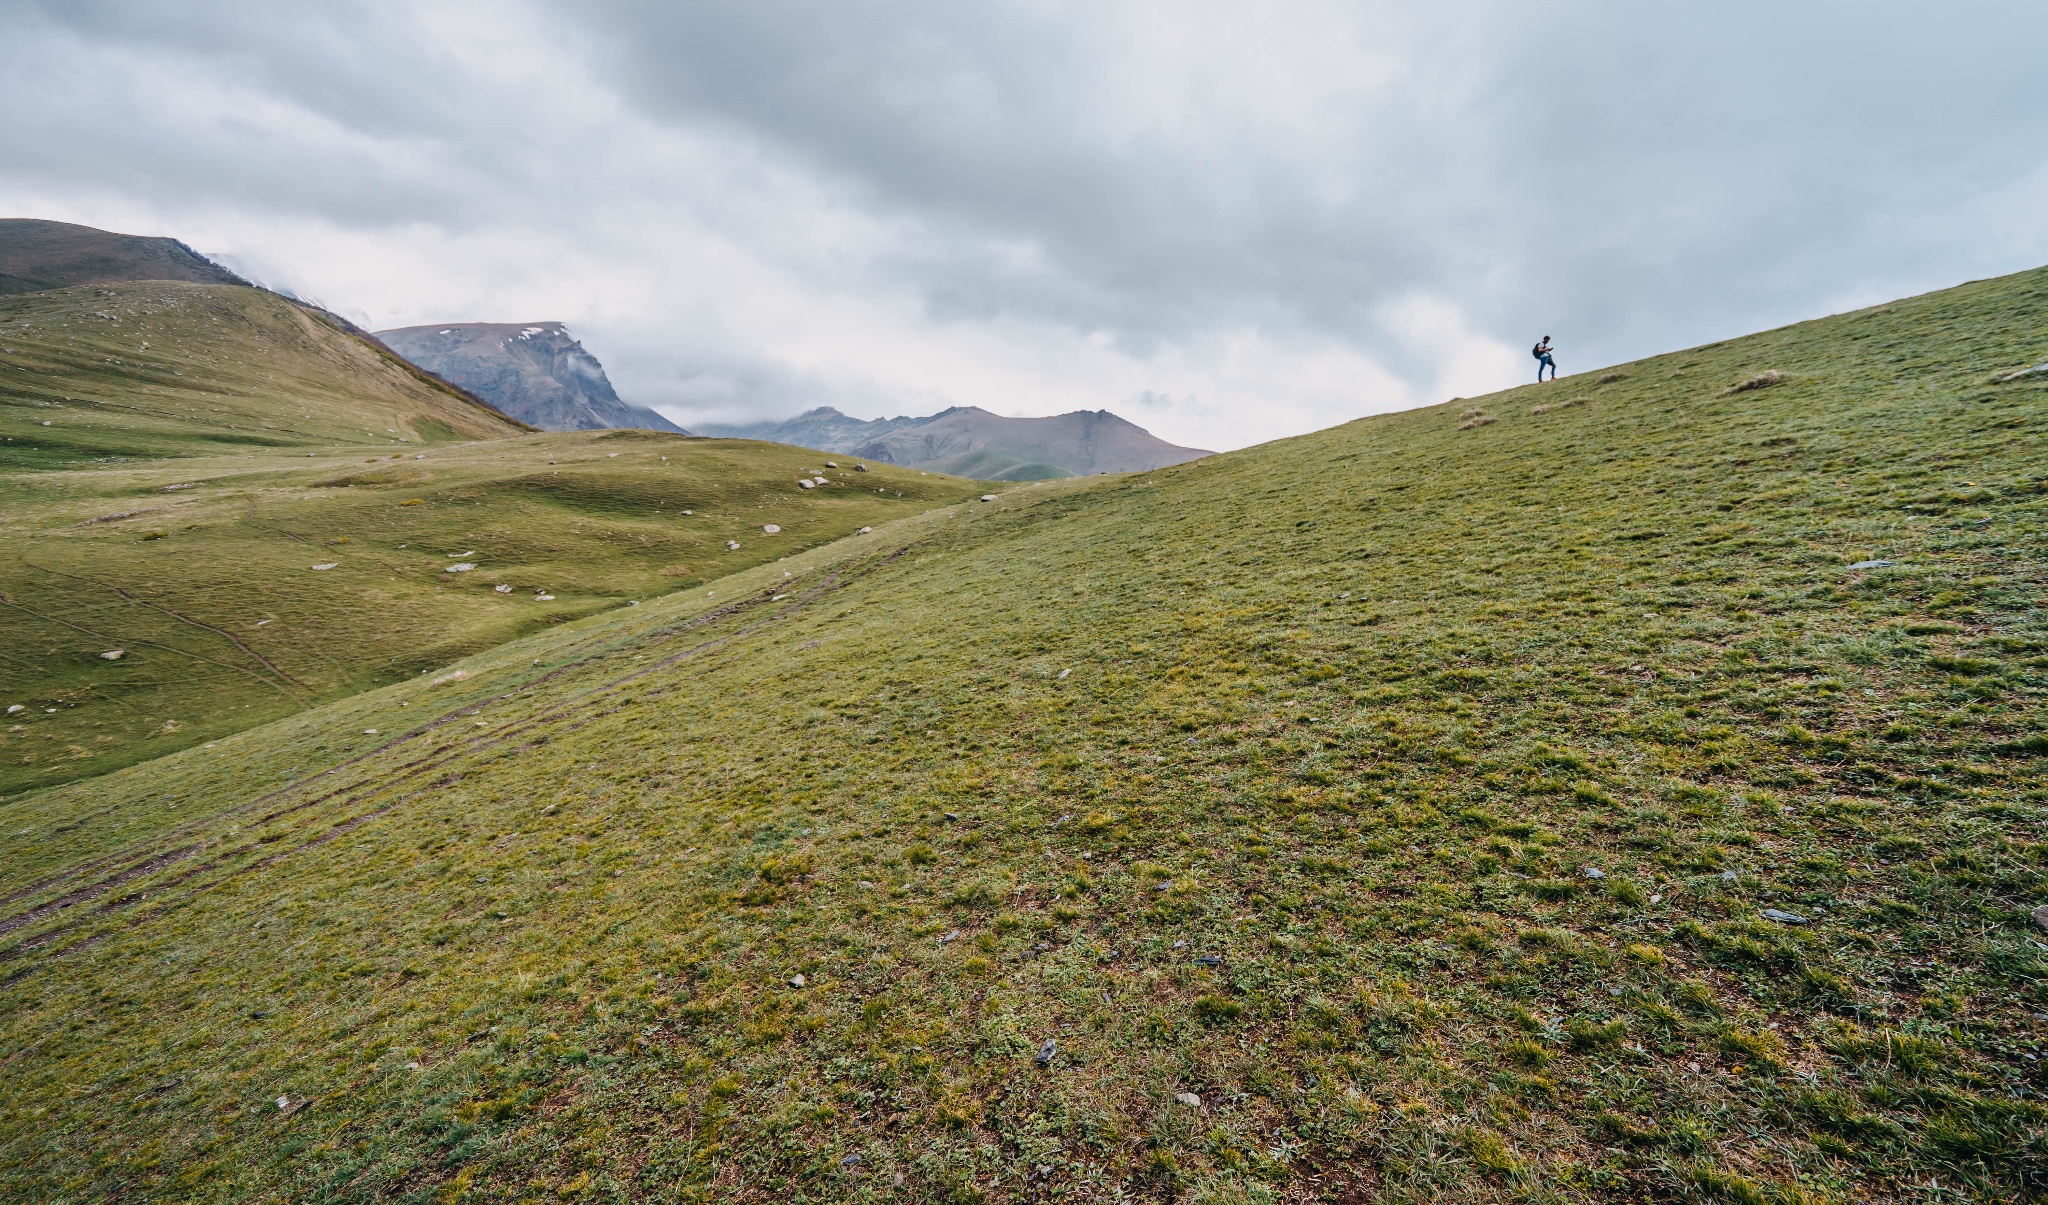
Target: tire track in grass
[(426, 764)]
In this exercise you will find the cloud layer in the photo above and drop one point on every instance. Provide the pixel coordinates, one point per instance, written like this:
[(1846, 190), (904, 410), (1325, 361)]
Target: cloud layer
[(1229, 222)]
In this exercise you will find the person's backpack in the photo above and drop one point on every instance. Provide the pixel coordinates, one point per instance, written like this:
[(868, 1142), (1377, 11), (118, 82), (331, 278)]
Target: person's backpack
[(1537, 351)]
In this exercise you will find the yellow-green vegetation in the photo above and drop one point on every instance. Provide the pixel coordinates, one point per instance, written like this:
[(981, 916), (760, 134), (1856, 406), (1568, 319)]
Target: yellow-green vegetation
[(236, 588), (1224, 833), (101, 374), (244, 588)]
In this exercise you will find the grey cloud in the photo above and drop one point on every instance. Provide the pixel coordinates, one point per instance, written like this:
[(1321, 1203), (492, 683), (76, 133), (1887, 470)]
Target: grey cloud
[(1154, 179)]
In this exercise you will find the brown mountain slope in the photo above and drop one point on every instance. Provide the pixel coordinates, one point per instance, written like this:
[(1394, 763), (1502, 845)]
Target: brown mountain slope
[(1083, 442), (36, 255)]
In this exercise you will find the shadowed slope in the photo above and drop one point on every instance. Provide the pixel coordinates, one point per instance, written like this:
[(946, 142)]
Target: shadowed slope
[(37, 255), (1622, 789)]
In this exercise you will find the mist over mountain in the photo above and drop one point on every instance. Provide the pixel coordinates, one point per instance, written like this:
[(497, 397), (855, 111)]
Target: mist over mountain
[(971, 442), (36, 255), (536, 372)]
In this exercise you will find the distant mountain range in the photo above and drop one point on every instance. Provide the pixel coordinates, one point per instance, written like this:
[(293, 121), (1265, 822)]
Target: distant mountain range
[(970, 442), (534, 371), (37, 255)]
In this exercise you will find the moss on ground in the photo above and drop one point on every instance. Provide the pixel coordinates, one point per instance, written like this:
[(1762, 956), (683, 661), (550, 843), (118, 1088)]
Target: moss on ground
[(1220, 833)]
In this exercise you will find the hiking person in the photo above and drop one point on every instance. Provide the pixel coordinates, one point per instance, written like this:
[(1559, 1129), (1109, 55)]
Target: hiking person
[(1542, 353)]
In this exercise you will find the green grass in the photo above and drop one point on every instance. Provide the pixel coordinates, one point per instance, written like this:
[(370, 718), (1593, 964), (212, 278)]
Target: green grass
[(1271, 778), (197, 564), (102, 374)]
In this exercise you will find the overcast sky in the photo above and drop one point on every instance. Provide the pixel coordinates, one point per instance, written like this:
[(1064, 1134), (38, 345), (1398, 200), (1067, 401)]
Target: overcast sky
[(1226, 221)]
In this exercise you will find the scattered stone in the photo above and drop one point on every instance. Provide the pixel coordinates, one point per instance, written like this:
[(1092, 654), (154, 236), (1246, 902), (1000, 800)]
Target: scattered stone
[(2038, 370), (414, 1066), (1783, 917), (853, 1160), (806, 483), (952, 936), (502, 589), (182, 485), (1209, 960), (1594, 872), (543, 598), (460, 567), (988, 497), (860, 468), (1065, 672), (831, 464), (14, 707), (866, 530), (1657, 899), (796, 981), (1871, 565), (1180, 945), (770, 528), (952, 815), (2040, 914), (732, 545), (328, 565), (1189, 1099), (1046, 1052), (1729, 876), (1762, 380), (113, 654), (284, 1102)]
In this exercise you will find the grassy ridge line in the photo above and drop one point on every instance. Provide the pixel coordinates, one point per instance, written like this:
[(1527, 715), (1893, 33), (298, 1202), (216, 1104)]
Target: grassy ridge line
[(222, 778), (1272, 780), (199, 571), (95, 374)]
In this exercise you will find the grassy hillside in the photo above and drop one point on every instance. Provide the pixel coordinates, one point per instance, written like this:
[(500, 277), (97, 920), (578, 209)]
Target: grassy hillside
[(1228, 833), (242, 588), (100, 373)]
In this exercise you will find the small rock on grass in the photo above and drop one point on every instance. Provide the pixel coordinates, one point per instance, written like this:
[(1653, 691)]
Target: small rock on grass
[(1594, 872), (1783, 917), (988, 497), (113, 654), (796, 981), (1189, 1099), (1046, 1052), (2040, 914), (853, 1160), (1871, 565)]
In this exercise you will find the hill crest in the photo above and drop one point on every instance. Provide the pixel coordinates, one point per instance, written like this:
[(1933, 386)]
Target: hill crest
[(37, 255)]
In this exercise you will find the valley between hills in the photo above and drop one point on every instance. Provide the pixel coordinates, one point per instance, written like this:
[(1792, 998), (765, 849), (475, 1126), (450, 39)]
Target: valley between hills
[(1626, 788)]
